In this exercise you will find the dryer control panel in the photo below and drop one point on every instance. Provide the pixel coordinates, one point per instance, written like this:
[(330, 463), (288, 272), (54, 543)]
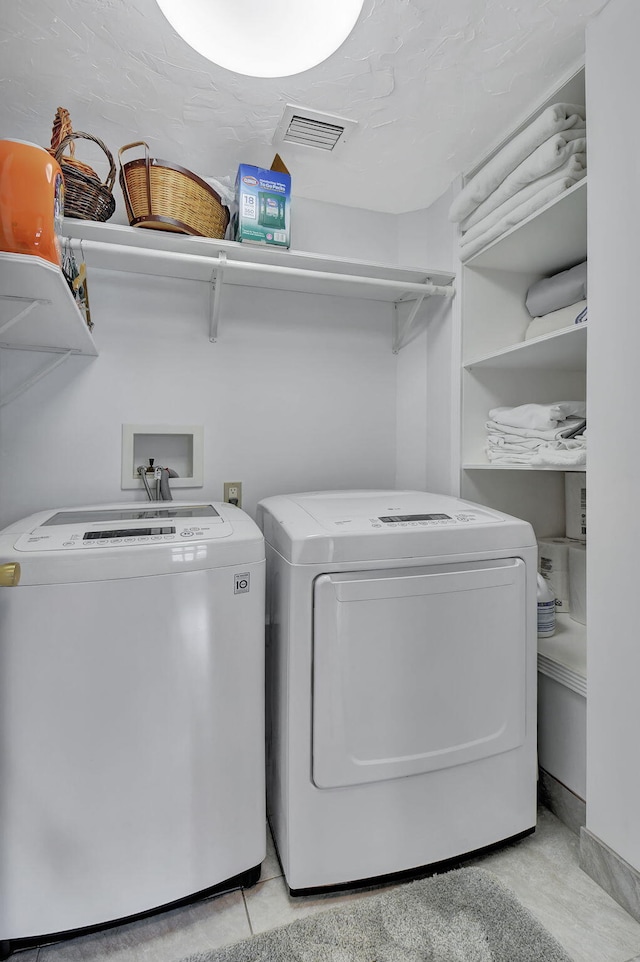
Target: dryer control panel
[(435, 519), (371, 525)]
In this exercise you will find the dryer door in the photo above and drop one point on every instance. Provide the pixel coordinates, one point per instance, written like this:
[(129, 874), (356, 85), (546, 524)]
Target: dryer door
[(417, 669)]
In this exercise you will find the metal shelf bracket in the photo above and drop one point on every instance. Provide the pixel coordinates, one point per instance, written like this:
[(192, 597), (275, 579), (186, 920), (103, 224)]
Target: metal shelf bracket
[(51, 365), (30, 305), (214, 296), (402, 329)]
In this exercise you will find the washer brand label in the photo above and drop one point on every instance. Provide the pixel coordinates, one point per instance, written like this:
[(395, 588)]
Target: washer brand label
[(241, 583)]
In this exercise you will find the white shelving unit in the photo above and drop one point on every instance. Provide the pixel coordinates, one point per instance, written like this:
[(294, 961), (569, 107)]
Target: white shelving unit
[(562, 706), (499, 367), (38, 313), (562, 350), (563, 656), (220, 262), (556, 234)]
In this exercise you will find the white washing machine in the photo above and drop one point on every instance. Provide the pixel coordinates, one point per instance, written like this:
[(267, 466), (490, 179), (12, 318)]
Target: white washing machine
[(401, 682), (131, 712)]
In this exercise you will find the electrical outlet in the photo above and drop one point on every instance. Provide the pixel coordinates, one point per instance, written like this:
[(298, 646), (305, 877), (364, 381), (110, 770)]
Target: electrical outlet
[(233, 493)]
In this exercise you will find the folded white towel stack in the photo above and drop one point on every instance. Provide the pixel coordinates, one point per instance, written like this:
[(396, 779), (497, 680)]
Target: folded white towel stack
[(538, 434), (534, 168), (521, 184), (539, 417)]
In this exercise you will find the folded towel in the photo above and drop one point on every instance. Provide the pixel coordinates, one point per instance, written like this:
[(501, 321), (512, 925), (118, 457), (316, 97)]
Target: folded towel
[(543, 459), (551, 121), (552, 456), (524, 445), (538, 417), (570, 452), (565, 429), (516, 216), (495, 216), (511, 191), (560, 290), (565, 444), (565, 317), (496, 458), (502, 445)]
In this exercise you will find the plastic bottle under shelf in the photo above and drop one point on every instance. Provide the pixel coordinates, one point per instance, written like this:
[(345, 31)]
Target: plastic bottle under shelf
[(546, 609)]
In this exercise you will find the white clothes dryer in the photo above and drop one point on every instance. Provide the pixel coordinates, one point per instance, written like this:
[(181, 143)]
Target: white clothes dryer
[(131, 712), (401, 682)]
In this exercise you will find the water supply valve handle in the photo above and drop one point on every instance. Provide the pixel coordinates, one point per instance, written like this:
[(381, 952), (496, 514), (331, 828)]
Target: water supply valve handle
[(9, 574)]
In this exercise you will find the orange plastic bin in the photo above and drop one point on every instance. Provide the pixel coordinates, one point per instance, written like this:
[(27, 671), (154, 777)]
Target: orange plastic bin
[(31, 200)]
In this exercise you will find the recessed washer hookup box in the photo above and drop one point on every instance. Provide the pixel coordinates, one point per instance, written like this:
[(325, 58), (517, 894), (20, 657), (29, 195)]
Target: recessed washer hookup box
[(262, 209)]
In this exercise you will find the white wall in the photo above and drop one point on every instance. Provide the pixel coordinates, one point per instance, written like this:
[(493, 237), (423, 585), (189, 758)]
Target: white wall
[(613, 772), (428, 368), (338, 231), (299, 392)]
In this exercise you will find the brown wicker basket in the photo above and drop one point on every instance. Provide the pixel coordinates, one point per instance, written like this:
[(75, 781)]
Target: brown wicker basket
[(162, 196), (63, 128), (86, 196)]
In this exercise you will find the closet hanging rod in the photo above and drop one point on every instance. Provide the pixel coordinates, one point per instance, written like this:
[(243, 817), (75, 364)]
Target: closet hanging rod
[(220, 263)]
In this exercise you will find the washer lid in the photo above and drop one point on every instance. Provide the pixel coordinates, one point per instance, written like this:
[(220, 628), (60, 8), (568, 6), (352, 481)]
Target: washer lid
[(123, 527), (129, 540), (376, 525), (151, 512)]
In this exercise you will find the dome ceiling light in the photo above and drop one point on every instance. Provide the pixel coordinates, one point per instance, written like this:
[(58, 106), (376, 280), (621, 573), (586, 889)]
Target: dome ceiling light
[(263, 38)]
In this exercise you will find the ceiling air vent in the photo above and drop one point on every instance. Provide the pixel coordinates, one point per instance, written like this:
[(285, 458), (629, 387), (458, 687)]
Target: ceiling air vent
[(311, 128)]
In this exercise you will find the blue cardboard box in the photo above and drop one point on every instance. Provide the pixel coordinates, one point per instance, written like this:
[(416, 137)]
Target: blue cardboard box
[(261, 212)]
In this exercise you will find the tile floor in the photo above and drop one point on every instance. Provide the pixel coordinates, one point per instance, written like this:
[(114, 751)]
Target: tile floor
[(542, 870)]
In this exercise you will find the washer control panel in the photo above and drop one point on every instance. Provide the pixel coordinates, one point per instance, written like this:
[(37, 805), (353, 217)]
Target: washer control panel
[(93, 529)]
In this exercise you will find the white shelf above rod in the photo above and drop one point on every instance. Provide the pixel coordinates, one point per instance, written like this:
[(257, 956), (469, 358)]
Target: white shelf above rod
[(222, 264)]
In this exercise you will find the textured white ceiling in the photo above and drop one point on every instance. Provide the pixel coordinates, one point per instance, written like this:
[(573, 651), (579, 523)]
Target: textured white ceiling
[(433, 85)]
